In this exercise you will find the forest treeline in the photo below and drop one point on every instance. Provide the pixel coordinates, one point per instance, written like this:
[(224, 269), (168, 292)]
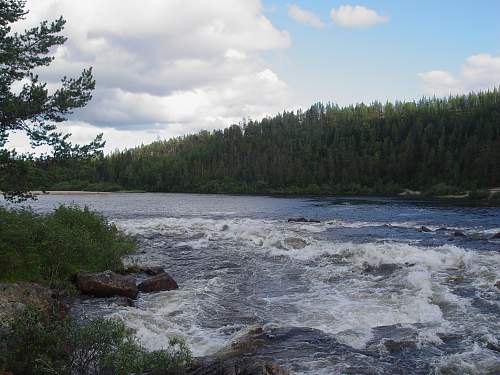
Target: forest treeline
[(444, 144)]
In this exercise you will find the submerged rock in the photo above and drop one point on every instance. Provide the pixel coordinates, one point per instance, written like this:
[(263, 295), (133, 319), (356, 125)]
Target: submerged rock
[(303, 220), (425, 229), (381, 269), (394, 346), (160, 282), (295, 243), (106, 284)]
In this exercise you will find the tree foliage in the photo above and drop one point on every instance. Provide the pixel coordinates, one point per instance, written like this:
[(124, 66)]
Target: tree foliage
[(378, 148), (27, 105)]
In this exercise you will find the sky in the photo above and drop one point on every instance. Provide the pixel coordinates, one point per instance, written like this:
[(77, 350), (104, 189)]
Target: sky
[(165, 68)]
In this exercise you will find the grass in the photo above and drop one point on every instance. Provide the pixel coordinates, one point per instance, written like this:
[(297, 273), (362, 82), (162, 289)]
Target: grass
[(49, 249)]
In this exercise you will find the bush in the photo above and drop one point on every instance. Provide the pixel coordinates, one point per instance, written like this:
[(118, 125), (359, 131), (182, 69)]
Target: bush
[(442, 189), (85, 186), (39, 343), (49, 249), (479, 194)]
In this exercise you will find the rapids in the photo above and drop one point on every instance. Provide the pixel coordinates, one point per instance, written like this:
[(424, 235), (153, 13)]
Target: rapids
[(362, 292)]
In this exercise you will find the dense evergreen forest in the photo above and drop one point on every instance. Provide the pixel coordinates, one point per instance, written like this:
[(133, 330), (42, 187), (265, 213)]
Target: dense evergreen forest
[(442, 144)]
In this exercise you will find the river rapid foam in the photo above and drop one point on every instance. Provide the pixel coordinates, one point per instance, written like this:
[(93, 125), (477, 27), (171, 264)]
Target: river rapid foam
[(362, 292)]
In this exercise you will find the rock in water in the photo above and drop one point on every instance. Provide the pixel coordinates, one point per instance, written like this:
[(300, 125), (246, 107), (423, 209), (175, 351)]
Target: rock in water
[(394, 346), (302, 220), (497, 284), (423, 228), (106, 284), (160, 282), (153, 271), (459, 233), (496, 236), (295, 243), (237, 366)]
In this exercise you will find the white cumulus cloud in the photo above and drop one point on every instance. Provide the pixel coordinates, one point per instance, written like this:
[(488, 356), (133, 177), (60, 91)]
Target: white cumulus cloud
[(479, 72), (166, 67), (304, 16), (356, 16)]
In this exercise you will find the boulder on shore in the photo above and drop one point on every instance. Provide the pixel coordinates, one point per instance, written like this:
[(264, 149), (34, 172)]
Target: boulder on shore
[(158, 283), (106, 284)]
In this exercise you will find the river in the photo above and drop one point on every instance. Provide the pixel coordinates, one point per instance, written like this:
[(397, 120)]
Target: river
[(362, 292)]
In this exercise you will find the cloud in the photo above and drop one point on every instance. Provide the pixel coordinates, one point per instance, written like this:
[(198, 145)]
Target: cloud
[(356, 16), (167, 67), (304, 16), (479, 72)]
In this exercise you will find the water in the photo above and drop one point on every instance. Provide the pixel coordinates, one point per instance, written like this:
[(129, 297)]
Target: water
[(329, 295)]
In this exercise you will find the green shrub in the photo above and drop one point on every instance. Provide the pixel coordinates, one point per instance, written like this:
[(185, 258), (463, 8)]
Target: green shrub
[(103, 186), (69, 185), (479, 194), (39, 343), (442, 189), (50, 248)]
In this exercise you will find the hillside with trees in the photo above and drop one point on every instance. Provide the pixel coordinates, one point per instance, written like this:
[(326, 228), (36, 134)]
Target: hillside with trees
[(440, 145)]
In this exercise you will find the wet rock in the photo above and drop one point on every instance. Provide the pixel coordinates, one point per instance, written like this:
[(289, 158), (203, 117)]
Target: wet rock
[(496, 236), (425, 229), (394, 346), (160, 282), (237, 358), (381, 269), (153, 271), (295, 243), (106, 284), (236, 366), (303, 220), (459, 233)]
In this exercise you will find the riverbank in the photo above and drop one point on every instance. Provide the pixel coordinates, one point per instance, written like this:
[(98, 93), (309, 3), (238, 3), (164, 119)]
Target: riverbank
[(489, 196)]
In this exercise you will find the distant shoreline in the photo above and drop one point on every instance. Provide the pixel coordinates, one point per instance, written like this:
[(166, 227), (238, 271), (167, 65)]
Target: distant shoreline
[(407, 195)]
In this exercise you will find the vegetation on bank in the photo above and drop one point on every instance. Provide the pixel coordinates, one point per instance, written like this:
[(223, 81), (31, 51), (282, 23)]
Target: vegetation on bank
[(50, 248), (46, 343), (362, 149)]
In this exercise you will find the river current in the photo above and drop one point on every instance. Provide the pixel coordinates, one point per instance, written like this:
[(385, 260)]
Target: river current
[(362, 292)]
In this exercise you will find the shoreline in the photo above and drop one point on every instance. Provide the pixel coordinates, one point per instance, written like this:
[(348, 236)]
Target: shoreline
[(404, 196)]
